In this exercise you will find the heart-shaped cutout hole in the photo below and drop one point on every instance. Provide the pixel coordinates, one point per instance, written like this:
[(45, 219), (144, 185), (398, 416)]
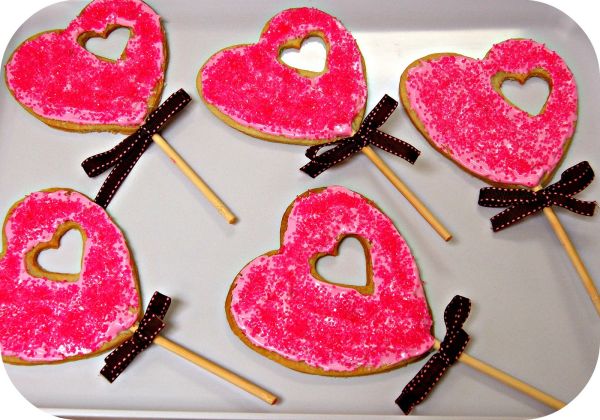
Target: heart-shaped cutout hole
[(349, 265), (527, 93), (60, 258), (109, 45), (308, 56)]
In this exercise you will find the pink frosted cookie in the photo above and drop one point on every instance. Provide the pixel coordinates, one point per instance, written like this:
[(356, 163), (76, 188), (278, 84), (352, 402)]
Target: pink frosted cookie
[(280, 307), (251, 89), (457, 104), (50, 317), (55, 78)]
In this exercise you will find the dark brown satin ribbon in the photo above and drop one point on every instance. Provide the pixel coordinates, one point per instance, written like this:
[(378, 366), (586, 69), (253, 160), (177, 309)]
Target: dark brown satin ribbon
[(149, 327), (451, 348), (522, 203), (368, 133), (123, 157)]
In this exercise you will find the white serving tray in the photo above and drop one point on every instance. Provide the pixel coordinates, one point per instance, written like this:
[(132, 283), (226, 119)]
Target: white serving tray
[(531, 316)]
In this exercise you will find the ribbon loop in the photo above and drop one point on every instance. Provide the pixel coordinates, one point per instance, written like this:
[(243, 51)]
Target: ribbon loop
[(573, 180), (123, 157), (149, 327), (368, 133), (451, 348), (380, 114), (457, 312), (521, 203)]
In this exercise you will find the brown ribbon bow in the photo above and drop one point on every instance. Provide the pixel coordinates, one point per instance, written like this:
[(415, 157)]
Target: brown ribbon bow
[(149, 327), (522, 203), (368, 133), (123, 157), (451, 348)]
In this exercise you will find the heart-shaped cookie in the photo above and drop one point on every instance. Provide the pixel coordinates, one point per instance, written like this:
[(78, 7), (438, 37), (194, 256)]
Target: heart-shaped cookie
[(52, 317), (55, 78), (279, 308), (457, 103), (250, 88)]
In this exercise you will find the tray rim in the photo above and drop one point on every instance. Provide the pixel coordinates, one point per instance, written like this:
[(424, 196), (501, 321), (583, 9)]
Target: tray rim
[(135, 414)]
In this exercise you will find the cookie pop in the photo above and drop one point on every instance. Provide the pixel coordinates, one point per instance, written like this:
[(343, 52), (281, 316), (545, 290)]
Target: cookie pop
[(57, 80), (457, 104), (52, 317), (48, 317), (251, 89), (280, 307)]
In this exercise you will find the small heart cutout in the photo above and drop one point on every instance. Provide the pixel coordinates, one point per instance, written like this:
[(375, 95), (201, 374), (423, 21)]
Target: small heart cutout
[(309, 56), (529, 95), (109, 45), (67, 257), (60, 258), (345, 266)]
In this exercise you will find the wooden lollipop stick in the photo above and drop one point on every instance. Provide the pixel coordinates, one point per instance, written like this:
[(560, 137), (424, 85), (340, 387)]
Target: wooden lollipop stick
[(215, 369), (507, 379), (407, 193), (196, 180), (564, 239)]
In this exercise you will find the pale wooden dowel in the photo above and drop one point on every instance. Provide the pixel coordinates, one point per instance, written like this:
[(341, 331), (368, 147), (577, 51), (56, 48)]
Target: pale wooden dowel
[(564, 239), (196, 180), (407, 193), (509, 380), (573, 255), (215, 369)]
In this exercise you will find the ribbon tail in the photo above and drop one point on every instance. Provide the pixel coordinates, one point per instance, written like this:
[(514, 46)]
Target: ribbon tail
[(430, 374), (101, 162), (119, 172), (584, 208), (315, 168), (514, 214), (394, 146), (505, 197), (341, 151), (118, 360), (421, 385)]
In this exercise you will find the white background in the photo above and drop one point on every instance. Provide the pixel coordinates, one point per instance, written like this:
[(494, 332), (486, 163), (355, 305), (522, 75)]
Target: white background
[(14, 406)]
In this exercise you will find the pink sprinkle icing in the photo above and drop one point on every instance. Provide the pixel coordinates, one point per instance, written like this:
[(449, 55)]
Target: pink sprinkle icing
[(280, 307), (250, 85), (472, 123), (42, 320), (58, 79)]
